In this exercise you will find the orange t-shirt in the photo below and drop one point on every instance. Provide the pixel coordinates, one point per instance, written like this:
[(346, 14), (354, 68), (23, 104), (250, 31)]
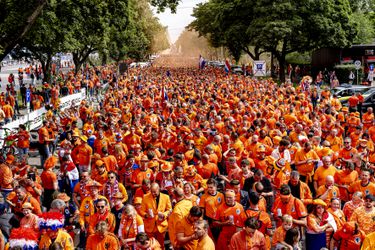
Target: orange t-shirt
[(187, 228), (344, 178), (210, 203), (353, 101), (365, 220), (349, 243), (357, 186), (347, 154), (8, 110), (97, 241), (49, 178), (294, 208), (138, 176), (23, 139), (43, 133), (82, 154), (278, 236), (207, 170), (307, 168), (321, 173)]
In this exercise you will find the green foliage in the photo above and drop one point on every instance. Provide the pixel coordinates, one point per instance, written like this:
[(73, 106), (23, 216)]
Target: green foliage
[(44, 39), (225, 23), (366, 31), (142, 35), (280, 27), (343, 71), (16, 19), (163, 4), (114, 28), (298, 58)]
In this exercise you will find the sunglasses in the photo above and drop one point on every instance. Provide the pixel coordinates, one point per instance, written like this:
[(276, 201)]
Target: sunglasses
[(112, 177), (100, 207)]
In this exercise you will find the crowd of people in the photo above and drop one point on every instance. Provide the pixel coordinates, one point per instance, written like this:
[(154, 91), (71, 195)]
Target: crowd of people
[(193, 159)]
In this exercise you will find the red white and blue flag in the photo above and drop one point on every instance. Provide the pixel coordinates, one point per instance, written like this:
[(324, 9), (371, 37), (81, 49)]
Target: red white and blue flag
[(164, 94), (202, 62), (227, 67)]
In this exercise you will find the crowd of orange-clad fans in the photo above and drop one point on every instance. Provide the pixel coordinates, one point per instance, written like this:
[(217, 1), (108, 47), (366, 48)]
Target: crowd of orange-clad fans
[(193, 159)]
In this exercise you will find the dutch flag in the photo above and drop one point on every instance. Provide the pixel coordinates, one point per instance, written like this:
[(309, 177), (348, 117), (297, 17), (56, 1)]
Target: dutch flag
[(227, 66), (202, 62), (164, 94)]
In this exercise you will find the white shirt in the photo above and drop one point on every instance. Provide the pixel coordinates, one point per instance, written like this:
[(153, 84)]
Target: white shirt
[(276, 154)]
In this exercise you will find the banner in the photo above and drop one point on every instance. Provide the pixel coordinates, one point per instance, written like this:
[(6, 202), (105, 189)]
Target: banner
[(35, 118), (259, 68)]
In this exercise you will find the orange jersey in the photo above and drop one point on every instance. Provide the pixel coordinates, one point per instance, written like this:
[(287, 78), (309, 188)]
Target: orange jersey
[(294, 208), (365, 220), (210, 203), (353, 242), (23, 139), (96, 218), (261, 216), (342, 177), (138, 176), (108, 241), (347, 154), (81, 154), (307, 168), (49, 179), (187, 228), (365, 190)]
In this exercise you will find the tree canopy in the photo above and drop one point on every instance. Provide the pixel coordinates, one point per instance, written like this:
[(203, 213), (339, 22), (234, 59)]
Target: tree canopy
[(117, 29), (280, 27)]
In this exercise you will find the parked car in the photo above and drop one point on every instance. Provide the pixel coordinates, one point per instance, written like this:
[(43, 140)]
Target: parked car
[(369, 100), (348, 90), (344, 92), (139, 64), (236, 69), (215, 64)]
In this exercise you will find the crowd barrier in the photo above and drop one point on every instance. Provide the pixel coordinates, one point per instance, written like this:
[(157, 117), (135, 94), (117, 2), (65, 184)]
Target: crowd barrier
[(34, 119)]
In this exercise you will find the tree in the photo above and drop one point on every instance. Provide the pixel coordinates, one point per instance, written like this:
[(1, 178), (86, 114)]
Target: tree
[(44, 40), (16, 19), (141, 34), (164, 4), (363, 16), (366, 31), (225, 23), (286, 26), (280, 27)]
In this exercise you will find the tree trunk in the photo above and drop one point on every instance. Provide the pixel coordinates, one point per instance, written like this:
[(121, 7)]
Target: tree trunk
[(257, 53), (104, 58), (79, 58), (281, 60), (46, 68), (77, 64)]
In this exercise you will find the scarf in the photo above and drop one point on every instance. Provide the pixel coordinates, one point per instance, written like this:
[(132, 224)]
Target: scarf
[(127, 228), (111, 189), (82, 187), (103, 217)]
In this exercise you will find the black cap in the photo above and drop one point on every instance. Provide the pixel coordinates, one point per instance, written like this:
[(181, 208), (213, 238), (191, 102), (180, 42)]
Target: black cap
[(370, 197)]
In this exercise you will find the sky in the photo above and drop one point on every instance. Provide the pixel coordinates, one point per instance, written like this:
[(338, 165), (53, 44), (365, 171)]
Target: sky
[(176, 23)]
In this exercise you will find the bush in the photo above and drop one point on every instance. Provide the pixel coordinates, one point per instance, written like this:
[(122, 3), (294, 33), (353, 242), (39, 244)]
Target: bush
[(343, 72)]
